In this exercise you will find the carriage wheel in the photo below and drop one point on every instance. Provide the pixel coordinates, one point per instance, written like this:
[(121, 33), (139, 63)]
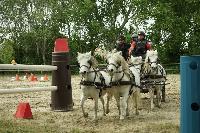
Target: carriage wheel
[(163, 94)]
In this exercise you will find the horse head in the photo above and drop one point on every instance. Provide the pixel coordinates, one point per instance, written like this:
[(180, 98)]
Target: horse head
[(152, 59), (116, 63), (86, 62)]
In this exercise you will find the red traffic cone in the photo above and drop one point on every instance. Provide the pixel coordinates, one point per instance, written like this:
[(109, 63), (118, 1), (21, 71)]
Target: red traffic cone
[(24, 111), (46, 77), (33, 78), (17, 77)]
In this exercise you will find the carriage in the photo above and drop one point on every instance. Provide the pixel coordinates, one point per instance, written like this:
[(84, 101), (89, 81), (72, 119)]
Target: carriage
[(157, 78), (153, 80), (152, 75)]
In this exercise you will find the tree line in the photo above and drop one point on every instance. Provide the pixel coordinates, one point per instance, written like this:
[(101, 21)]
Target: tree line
[(28, 28)]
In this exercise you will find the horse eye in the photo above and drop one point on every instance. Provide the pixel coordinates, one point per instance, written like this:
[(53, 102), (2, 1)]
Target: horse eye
[(119, 63), (90, 62), (148, 60)]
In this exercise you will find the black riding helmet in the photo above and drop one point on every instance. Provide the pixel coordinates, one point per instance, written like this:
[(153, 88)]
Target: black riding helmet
[(122, 37), (141, 33), (134, 37)]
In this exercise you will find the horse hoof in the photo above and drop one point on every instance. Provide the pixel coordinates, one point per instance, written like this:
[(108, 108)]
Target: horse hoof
[(163, 100), (85, 115), (95, 120), (121, 118), (159, 106), (107, 111), (152, 107), (137, 113)]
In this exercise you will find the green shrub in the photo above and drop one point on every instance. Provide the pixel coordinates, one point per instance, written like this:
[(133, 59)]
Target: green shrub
[(6, 52)]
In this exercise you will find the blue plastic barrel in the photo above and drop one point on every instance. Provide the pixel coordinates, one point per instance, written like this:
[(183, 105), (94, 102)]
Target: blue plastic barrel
[(190, 94)]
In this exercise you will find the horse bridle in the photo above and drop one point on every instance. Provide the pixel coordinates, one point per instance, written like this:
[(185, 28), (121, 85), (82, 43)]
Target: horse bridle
[(149, 62), (152, 61), (89, 71), (116, 66), (88, 67), (93, 83)]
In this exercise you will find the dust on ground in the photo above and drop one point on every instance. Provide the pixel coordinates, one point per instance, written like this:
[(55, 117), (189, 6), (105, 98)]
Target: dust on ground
[(160, 120)]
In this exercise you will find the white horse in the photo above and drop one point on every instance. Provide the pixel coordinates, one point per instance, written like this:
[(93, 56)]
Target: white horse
[(156, 74), (91, 83), (102, 52), (121, 81)]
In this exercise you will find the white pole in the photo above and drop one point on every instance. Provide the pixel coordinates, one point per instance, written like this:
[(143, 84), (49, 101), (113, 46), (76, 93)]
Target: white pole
[(32, 89), (8, 67)]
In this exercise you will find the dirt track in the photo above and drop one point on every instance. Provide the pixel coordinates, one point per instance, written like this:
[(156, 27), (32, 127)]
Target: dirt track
[(160, 120)]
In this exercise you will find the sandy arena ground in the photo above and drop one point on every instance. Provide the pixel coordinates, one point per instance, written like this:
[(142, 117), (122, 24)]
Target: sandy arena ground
[(160, 120)]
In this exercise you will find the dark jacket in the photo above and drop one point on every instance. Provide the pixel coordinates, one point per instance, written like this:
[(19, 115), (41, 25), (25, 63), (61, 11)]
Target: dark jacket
[(124, 48), (141, 47)]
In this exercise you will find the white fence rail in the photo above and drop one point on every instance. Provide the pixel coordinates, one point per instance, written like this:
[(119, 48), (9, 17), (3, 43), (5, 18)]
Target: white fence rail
[(32, 89), (21, 67)]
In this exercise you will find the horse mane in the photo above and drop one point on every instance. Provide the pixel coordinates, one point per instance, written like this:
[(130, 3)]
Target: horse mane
[(101, 51), (120, 59), (94, 62), (146, 68)]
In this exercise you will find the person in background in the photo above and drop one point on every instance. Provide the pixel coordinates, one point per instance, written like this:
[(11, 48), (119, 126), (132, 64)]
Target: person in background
[(140, 45), (134, 37), (123, 46)]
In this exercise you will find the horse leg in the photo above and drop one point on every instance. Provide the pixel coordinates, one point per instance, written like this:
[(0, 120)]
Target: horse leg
[(109, 96), (151, 92), (123, 106), (163, 93), (83, 98), (158, 95), (95, 107), (102, 101), (127, 109), (137, 100), (117, 98)]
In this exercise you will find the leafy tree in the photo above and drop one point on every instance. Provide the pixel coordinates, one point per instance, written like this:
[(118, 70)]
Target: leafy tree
[(6, 52), (33, 25), (176, 26)]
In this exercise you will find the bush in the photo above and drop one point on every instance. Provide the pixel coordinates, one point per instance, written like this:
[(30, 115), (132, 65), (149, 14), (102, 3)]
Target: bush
[(6, 52)]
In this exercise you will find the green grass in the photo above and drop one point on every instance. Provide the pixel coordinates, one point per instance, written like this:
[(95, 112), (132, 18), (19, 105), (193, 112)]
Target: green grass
[(23, 126), (165, 128), (29, 126)]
